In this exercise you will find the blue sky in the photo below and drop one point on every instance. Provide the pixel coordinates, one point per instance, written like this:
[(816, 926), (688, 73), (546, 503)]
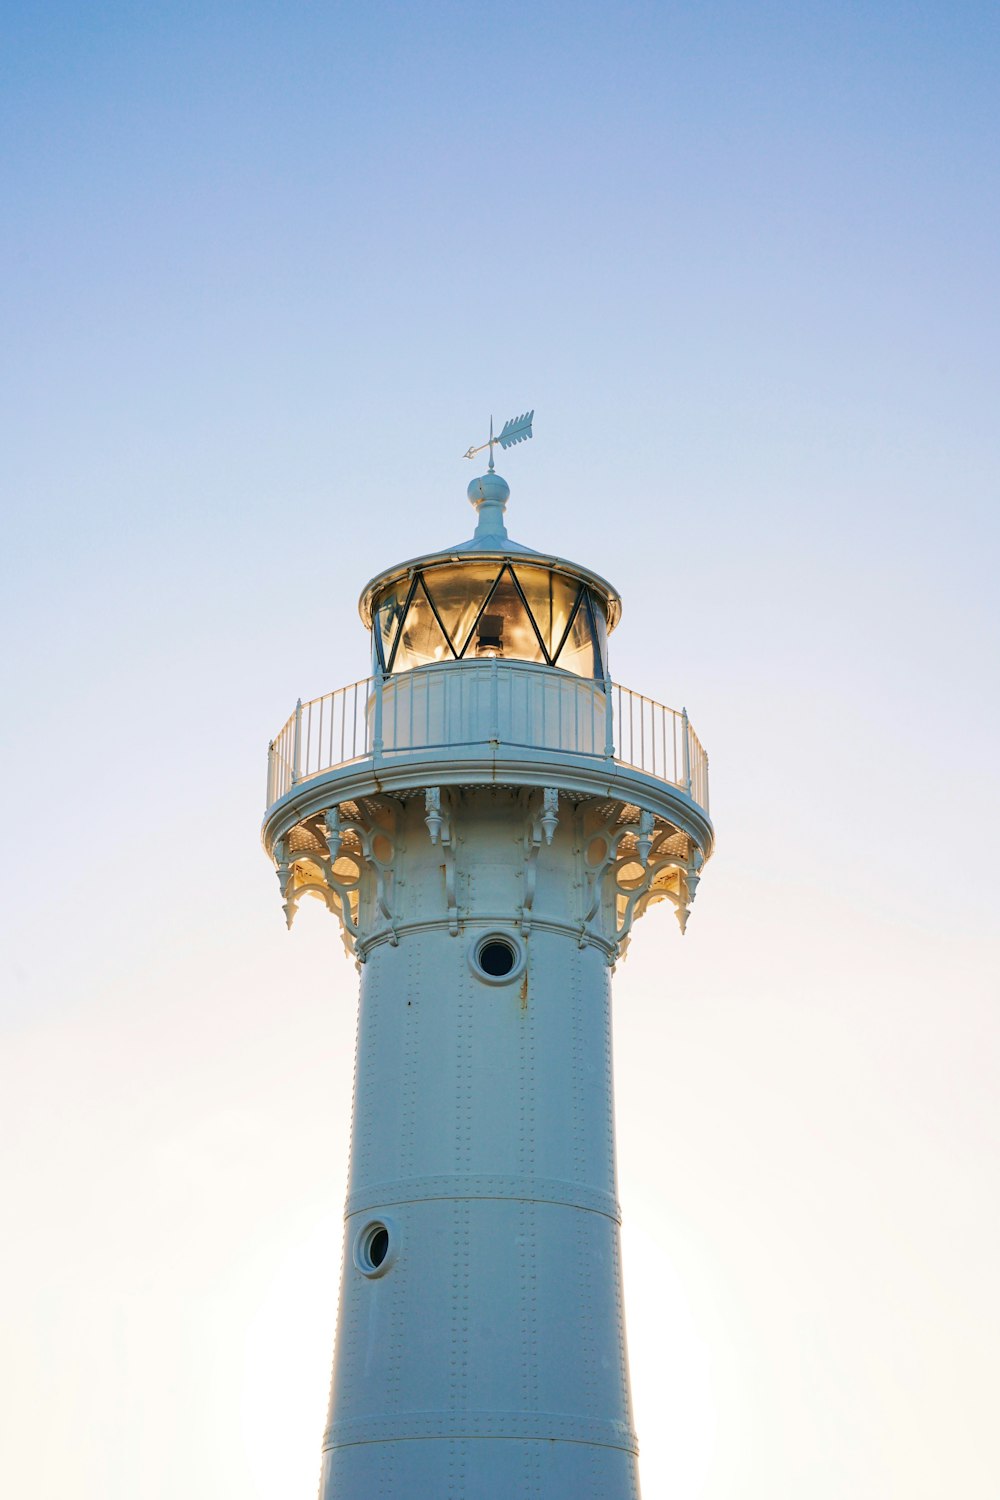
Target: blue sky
[(267, 270)]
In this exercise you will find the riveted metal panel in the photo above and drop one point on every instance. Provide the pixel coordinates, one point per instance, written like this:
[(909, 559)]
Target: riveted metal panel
[(488, 1357)]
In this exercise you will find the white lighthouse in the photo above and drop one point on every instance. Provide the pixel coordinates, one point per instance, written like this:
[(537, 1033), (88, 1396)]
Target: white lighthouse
[(486, 815)]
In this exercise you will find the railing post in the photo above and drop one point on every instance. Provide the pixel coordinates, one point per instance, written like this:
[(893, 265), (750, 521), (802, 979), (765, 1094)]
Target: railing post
[(270, 774), (686, 750), (377, 741), (494, 702), (297, 743), (609, 720)]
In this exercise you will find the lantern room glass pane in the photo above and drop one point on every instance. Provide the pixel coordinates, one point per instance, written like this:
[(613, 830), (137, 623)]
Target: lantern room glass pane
[(458, 592), (475, 610), (387, 617), (551, 598), (601, 621), (581, 653), (504, 628), (421, 640)]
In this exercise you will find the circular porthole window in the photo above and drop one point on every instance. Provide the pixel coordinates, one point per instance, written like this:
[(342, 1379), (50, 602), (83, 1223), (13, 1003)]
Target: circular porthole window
[(375, 1247), (497, 957)]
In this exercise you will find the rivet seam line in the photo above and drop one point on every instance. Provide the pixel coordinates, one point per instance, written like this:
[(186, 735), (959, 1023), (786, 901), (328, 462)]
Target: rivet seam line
[(457, 1426), (527, 1190)]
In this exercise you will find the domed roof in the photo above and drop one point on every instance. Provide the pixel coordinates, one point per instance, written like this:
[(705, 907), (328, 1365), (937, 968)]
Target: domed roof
[(489, 494)]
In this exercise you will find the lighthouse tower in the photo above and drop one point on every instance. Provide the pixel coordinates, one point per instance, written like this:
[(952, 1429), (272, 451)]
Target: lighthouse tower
[(486, 816)]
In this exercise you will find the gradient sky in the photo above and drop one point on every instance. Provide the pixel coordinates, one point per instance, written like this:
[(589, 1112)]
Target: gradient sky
[(267, 269)]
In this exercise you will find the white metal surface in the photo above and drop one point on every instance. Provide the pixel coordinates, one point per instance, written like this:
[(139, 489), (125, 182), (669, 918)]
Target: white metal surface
[(490, 1359)]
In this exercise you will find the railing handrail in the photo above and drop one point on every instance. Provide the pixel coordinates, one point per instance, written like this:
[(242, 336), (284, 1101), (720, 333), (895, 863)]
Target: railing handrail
[(337, 728), (304, 703)]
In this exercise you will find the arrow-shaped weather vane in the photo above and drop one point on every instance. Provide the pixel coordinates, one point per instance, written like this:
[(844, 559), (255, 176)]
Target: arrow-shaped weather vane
[(517, 430)]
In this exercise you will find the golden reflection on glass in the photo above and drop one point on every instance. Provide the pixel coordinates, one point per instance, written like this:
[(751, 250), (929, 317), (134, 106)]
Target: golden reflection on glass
[(459, 592), (483, 610), (505, 627), (550, 598), (422, 640), (579, 655), (387, 618)]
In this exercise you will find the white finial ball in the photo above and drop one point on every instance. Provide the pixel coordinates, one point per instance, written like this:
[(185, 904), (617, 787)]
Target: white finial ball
[(489, 487)]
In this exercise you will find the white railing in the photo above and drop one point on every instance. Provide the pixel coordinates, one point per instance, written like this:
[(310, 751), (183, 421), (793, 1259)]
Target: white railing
[(481, 704), (326, 732), (660, 741)]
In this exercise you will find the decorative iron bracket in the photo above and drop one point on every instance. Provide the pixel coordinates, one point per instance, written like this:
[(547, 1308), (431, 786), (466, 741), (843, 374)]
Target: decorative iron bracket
[(315, 857), (542, 822), (438, 820), (635, 863)]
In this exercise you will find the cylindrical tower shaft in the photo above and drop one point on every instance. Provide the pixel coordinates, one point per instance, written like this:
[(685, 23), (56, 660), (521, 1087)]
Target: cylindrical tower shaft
[(489, 1340)]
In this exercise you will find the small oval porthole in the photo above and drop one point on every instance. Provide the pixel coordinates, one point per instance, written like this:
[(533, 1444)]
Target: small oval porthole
[(375, 1248), (497, 957)]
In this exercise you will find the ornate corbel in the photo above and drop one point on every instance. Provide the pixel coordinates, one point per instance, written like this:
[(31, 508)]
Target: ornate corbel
[(644, 841), (334, 835), (550, 811), (636, 861), (439, 827), (326, 855), (596, 845), (377, 826), (541, 823), (690, 879), (435, 817), (284, 874)]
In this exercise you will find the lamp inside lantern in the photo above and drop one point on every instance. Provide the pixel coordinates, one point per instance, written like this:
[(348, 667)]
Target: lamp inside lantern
[(490, 642)]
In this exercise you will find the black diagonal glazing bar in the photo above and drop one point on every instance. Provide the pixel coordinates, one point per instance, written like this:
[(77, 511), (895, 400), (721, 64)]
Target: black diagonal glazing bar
[(402, 619), (538, 633), (475, 624), (434, 611), (569, 624)]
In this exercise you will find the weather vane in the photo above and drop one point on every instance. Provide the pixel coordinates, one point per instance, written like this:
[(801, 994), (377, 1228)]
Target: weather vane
[(517, 430)]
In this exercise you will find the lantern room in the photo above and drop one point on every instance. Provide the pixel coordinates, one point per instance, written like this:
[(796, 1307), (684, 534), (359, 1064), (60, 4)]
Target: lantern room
[(490, 598)]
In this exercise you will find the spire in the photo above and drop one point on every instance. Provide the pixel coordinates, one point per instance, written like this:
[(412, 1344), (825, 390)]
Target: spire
[(490, 493)]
